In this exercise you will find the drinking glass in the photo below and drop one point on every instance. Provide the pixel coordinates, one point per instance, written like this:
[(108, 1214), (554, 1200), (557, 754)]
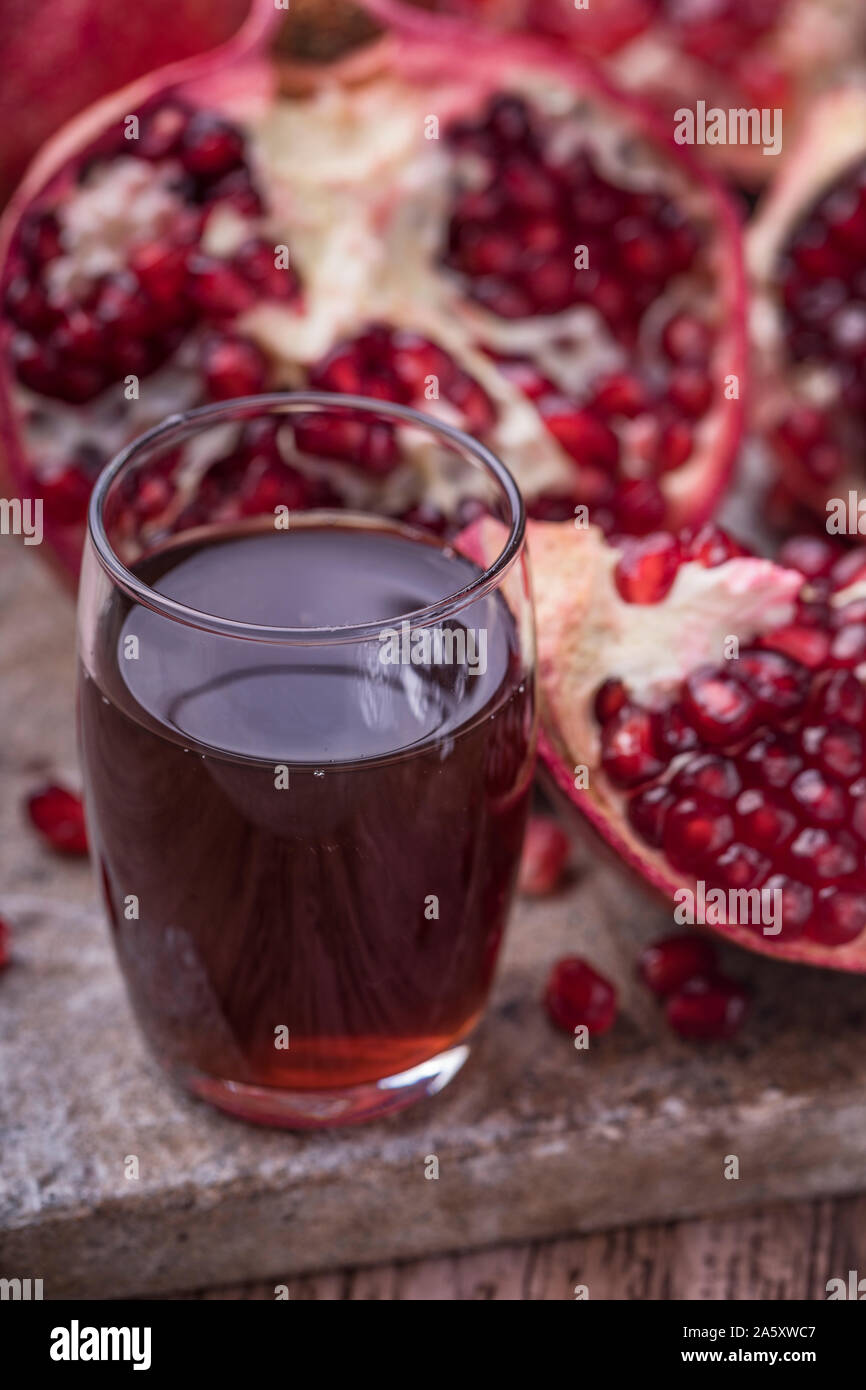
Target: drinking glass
[(307, 727)]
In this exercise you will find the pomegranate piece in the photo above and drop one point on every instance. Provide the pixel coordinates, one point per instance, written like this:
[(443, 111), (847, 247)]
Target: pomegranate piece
[(58, 815), (707, 1008), (544, 856), (748, 775), (667, 964), (578, 996)]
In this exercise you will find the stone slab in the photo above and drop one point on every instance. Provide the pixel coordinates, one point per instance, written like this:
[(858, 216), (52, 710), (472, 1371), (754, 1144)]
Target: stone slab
[(533, 1138)]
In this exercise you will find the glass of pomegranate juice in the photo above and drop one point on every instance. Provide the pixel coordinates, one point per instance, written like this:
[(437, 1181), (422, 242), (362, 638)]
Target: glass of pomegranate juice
[(307, 725)]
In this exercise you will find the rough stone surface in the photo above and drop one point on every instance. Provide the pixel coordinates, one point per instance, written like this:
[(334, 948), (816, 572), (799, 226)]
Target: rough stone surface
[(533, 1138)]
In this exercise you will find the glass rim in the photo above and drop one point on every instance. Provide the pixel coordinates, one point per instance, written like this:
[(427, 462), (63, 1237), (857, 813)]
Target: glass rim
[(178, 427)]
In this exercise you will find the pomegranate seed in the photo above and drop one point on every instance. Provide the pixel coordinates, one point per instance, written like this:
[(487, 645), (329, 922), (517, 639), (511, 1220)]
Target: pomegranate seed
[(330, 435), (217, 288), (425, 517), (666, 965), (840, 917), (122, 307), (647, 812), (673, 446), (268, 485), (161, 270), (690, 390), (233, 366), (621, 394), (640, 506), (674, 734), (58, 815), (27, 304), (811, 555), (762, 820), (578, 996), (742, 866), (708, 1008), (585, 438), (807, 645), (378, 453), (817, 855), (628, 752), (5, 944), (647, 568), (708, 776), (840, 696), (545, 851), (796, 905), (696, 833), (711, 546), (838, 751), (256, 262), (822, 799), (848, 647), (779, 684), (609, 700), (210, 145), (686, 339), (719, 706)]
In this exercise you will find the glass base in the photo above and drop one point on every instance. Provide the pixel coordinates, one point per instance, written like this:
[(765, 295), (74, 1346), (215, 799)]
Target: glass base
[(347, 1105)]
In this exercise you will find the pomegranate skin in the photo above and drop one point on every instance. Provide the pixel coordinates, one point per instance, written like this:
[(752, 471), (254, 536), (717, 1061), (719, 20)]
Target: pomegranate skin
[(54, 70)]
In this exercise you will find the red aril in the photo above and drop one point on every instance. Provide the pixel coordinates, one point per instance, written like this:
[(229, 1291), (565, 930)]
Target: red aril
[(578, 996), (708, 1008), (667, 964), (58, 815), (543, 858), (5, 944)]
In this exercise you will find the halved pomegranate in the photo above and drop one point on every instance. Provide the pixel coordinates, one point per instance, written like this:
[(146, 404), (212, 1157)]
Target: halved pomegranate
[(52, 71), (496, 237), (728, 54), (712, 727), (807, 254)]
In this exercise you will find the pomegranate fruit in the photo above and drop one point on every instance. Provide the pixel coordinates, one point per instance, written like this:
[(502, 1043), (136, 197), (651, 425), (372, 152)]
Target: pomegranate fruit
[(496, 236), (58, 815), (713, 730), (578, 996), (727, 53), (807, 254), (543, 859), (53, 71)]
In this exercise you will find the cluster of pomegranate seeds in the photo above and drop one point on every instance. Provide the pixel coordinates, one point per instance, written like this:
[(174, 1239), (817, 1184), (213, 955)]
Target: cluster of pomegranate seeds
[(578, 996), (58, 815), (721, 32), (545, 854), (72, 345), (753, 774), (512, 238), (389, 364), (700, 1002), (823, 279), (252, 480)]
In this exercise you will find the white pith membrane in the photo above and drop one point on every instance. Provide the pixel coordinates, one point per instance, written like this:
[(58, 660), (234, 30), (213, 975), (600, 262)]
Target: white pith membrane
[(362, 200), (832, 143), (587, 632)]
